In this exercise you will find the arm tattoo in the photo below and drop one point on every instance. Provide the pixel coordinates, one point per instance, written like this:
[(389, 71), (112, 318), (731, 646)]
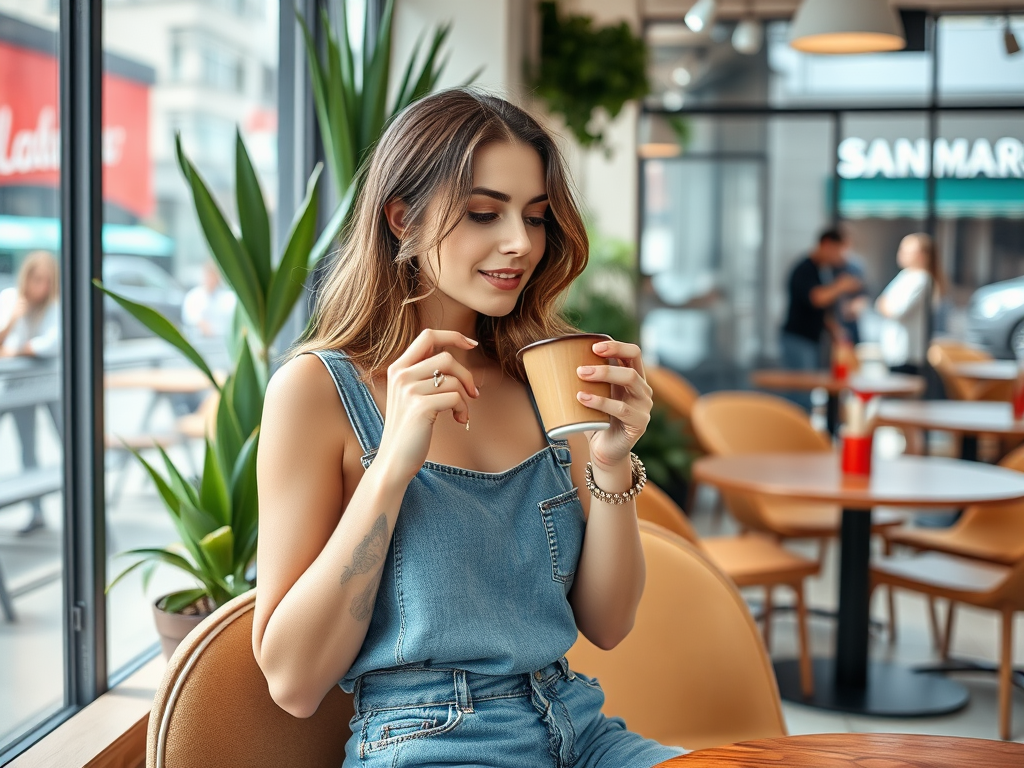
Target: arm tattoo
[(369, 551), (362, 606)]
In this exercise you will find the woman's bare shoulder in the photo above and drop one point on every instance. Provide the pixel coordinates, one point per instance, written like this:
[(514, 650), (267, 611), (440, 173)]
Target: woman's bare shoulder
[(302, 391)]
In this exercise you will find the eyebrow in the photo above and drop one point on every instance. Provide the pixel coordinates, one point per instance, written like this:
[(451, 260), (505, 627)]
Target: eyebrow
[(503, 197)]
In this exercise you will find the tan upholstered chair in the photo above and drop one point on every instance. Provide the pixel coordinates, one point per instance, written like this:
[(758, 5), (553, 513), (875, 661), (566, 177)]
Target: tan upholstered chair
[(735, 423), (943, 354), (213, 707), (750, 561), (693, 672), (678, 395), (959, 580)]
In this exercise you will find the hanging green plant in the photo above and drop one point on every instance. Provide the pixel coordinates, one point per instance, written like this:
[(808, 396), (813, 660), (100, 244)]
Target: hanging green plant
[(583, 68)]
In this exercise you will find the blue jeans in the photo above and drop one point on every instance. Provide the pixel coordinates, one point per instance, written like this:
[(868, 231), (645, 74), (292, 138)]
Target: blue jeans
[(799, 354), (432, 717)]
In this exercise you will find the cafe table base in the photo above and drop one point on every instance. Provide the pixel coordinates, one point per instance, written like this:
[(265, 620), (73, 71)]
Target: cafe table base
[(891, 691)]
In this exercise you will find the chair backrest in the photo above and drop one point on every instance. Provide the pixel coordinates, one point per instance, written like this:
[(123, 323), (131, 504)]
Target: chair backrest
[(732, 423), (943, 354), (693, 672), (656, 506), (672, 389), (1000, 524), (213, 706)]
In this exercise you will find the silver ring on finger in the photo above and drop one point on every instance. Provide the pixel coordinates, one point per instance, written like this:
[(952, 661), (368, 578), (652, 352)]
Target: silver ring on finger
[(438, 378)]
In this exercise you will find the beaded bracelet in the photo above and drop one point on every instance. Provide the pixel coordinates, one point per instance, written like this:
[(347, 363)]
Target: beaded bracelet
[(639, 480)]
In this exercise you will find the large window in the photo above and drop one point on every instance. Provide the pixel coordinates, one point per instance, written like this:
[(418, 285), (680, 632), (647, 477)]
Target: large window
[(743, 170), (32, 655), (201, 70)]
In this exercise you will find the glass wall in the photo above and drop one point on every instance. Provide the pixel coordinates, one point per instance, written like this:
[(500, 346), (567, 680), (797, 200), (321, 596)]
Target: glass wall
[(857, 140), (203, 71), (32, 657)]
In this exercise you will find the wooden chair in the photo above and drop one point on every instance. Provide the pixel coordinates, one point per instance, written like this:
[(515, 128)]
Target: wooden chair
[(213, 707), (678, 395), (735, 423), (750, 561), (959, 580), (693, 672), (943, 354)]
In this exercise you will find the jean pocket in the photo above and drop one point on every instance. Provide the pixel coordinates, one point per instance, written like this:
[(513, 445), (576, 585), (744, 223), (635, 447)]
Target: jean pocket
[(564, 524), (382, 729)]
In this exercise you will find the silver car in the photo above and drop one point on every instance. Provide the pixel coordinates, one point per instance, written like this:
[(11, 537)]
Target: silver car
[(995, 317)]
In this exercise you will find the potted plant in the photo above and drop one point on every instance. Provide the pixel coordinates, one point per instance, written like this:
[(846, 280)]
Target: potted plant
[(584, 70), (216, 514)]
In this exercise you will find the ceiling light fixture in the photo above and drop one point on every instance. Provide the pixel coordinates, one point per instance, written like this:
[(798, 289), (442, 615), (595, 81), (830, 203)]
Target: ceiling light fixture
[(842, 26), (1009, 39), (700, 16)]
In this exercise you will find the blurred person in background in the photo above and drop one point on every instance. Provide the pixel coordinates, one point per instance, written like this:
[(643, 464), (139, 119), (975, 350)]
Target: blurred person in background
[(30, 327), (812, 297), (905, 303), (207, 309)]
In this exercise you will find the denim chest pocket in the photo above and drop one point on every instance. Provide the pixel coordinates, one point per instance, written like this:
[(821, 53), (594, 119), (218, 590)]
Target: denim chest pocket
[(383, 729), (564, 524)]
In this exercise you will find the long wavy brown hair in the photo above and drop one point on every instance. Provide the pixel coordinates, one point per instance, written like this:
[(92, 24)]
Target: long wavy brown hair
[(368, 305)]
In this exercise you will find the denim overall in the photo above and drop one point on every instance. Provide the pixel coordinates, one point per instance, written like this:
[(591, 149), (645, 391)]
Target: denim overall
[(464, 660)]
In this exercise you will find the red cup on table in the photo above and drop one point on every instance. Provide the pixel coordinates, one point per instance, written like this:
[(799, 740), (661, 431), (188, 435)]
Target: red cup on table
[(856, 454)]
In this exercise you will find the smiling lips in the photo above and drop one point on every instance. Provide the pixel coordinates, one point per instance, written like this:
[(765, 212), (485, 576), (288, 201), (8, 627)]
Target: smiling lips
[(503, 279)]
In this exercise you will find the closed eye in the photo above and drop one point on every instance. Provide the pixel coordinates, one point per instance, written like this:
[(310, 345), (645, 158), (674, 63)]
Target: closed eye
[(536, 221), (482, 218)]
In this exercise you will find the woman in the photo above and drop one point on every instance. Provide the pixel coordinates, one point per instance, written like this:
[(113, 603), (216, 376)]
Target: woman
[(906, 302), (30, 327), (439, 571)]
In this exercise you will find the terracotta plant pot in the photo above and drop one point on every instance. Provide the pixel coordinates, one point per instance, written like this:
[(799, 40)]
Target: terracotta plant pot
[(174, 627)]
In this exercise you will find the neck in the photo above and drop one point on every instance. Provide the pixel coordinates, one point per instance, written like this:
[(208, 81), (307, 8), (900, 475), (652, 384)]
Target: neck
[(442, 314)]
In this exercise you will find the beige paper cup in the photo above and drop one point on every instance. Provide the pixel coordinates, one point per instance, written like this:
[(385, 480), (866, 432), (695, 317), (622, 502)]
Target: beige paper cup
[(551, 368)]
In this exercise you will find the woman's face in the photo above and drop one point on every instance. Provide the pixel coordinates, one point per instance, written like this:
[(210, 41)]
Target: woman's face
[(487, 260), (38, 286), (910, 255)]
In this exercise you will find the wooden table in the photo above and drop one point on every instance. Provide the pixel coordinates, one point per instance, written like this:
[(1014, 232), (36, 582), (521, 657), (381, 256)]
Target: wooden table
[(161, 382), (968, 418), (857, 750), (849, 682), (986, 370), (892, 385)]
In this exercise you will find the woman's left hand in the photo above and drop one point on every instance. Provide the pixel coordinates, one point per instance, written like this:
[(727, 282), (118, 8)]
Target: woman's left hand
[(629, 405)]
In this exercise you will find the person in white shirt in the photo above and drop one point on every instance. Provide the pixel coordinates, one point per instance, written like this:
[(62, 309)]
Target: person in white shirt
[(30, 327), (208, 309), (906, 303)]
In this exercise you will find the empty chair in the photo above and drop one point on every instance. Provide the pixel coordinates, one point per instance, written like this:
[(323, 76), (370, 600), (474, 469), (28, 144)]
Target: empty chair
[(735, 423), (750, 561), (983, 585), (213, 706), (944, 354), (693, 672)]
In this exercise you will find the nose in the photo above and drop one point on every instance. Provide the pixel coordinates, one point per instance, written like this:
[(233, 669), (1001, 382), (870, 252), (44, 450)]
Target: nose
[(515, 238)]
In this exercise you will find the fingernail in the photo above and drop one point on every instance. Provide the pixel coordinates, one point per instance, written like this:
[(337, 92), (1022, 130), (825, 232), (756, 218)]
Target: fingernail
[(584, 396), (474, 342), (477, 390), (601, 346), (585, 370), (467, 425)]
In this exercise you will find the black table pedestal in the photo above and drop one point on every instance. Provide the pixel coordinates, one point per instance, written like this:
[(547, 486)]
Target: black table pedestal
[(891, 691), (849, 682)]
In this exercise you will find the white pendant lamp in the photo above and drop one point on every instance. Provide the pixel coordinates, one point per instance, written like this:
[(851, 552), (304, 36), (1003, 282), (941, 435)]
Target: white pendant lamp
[(748, 37), (847, 26), (700, 16)]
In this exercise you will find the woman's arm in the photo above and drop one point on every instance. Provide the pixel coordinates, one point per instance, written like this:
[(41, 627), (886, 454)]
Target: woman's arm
[(319, 569), (610, 576)]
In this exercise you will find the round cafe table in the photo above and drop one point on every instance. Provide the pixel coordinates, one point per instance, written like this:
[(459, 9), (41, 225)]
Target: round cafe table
[(986, 370), (891, 385), (968, 418), (856, 750), (849, 681)]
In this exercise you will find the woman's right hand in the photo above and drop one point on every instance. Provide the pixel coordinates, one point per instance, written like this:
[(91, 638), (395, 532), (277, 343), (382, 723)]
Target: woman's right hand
[(414, 402)]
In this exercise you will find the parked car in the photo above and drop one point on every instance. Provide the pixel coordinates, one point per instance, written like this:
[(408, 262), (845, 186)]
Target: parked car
[(995, 317), (138, 279)]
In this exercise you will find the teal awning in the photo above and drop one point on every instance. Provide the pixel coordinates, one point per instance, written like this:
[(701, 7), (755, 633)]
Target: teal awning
[(954, 198), (28, 233)]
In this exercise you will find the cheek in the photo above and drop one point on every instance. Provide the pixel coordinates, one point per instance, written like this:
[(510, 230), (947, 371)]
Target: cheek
[(538, 242)]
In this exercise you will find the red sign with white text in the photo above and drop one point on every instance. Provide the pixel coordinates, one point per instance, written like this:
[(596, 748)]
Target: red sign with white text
[(30, 137)]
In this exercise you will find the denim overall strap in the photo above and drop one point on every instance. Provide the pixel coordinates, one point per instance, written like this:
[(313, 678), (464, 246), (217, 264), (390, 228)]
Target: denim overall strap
[(359, 404)]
